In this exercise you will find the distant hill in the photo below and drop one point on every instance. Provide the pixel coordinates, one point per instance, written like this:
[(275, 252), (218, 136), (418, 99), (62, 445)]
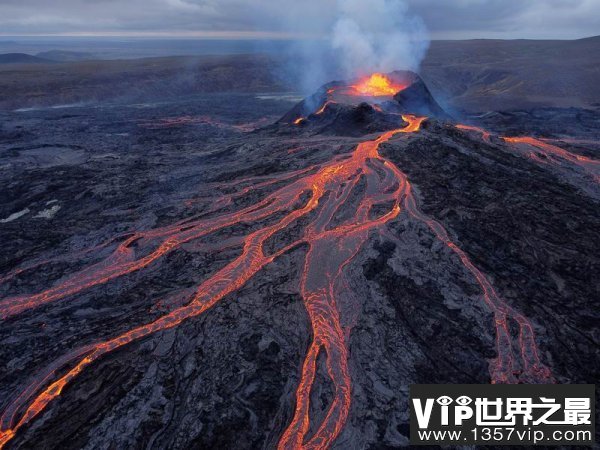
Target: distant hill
[(21, 58), (28, 85), (487, 74), (64, 55), (590, 39), (473, 76)]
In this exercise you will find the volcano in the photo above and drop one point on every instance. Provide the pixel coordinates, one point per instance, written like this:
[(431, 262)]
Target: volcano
[(281, 288), (348, 105)]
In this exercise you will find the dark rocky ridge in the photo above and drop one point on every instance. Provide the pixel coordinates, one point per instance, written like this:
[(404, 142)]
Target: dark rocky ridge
[(417, 99), (340, 120), (22, 58)]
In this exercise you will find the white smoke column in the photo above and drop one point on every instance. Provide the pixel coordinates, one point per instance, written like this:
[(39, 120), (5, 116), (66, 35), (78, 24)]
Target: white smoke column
[(377, 36)]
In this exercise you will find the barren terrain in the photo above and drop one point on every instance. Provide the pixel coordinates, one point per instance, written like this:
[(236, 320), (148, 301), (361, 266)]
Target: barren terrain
[(232, 270)]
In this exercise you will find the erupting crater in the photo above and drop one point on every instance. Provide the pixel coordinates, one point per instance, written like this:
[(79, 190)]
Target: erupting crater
[(394, 93), (377, 85), (373, 89)]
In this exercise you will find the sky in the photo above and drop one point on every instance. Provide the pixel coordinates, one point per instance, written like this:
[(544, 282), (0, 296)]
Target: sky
[(293, 19)]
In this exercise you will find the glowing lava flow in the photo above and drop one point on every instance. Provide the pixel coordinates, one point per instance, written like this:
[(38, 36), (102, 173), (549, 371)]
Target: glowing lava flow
[(321, 110), (553, 152), (484, 134), (331, 246), (551, 149), (503, 369), (550, 154)]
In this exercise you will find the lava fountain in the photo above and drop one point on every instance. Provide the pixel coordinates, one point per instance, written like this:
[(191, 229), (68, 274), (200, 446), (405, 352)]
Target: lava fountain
[(376, 85)]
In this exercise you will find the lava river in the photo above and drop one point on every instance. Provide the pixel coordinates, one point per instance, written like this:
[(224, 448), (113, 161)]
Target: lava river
[(314, 194)]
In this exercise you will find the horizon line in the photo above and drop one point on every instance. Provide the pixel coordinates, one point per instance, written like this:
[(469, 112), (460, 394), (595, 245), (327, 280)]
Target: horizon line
[(243, 35)]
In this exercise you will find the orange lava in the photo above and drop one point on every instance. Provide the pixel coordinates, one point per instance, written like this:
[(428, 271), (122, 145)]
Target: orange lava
[(546, 153), (321, 110), (502, 369), (377, 85), (484, 134), (552, 150), (299, 120), (331, 248), (551, 154)]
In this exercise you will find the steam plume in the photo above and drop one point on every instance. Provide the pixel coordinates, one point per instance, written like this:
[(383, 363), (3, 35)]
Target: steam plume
[(377, 36), (361, 37)]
